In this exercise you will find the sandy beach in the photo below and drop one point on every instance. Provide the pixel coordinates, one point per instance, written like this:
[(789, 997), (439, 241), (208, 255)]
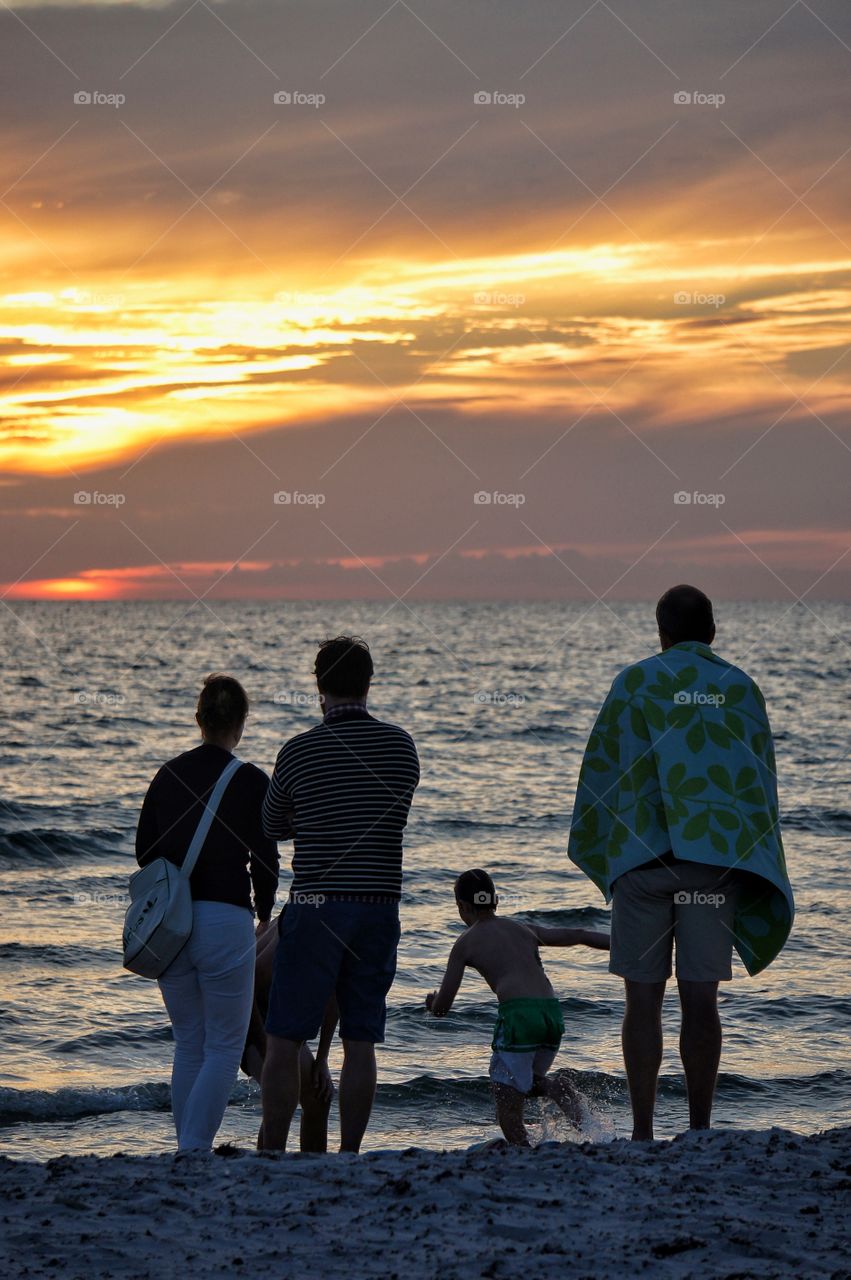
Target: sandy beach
[(726, 1204)]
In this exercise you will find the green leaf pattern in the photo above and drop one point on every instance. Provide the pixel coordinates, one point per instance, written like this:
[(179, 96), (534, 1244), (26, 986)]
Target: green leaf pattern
[(681, 758)]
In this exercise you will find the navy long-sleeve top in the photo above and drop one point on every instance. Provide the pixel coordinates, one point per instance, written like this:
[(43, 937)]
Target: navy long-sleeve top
[(237, 857)]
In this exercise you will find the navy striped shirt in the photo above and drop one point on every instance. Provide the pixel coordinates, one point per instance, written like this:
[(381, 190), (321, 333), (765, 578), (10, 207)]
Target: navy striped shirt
[(343, 790)]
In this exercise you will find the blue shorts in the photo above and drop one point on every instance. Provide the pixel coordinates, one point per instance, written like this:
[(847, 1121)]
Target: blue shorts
[(343, 947)]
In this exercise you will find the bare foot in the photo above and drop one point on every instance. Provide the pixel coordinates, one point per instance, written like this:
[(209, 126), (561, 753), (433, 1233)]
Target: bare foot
[(559, 1088)]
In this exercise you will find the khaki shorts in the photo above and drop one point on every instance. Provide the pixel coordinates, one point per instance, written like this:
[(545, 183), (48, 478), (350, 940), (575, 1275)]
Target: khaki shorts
[(689, 904)]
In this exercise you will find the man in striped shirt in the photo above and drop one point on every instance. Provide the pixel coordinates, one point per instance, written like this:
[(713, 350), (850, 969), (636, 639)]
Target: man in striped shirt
[(342, 791)]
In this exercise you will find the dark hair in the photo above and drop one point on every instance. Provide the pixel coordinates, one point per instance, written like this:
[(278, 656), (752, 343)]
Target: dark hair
[(685, 613), (222, 705), (476, 889), (344, 667)]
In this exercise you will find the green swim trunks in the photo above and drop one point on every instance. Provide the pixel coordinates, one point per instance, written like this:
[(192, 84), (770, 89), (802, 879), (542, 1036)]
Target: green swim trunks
[(522, 1026)]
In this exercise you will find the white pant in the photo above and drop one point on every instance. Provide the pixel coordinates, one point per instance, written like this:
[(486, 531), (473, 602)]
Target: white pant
[(208, 991)]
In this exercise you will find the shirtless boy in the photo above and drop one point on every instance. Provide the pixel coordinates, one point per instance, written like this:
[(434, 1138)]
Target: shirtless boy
[(529, 1025)]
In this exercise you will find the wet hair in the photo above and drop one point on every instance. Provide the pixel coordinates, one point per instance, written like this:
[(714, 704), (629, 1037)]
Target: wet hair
[(344, 667), (476, 889), (685, 613), (222, 704)]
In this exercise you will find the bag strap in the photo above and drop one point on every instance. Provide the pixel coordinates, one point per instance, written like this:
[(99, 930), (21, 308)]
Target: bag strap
[(207, 816)]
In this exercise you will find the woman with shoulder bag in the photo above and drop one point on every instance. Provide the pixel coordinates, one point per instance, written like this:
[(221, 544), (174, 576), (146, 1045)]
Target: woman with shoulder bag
[(208, 987)]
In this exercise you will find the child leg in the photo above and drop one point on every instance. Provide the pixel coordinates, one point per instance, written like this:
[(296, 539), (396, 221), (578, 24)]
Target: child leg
[(509, 1114), (255, 1046), (313, 1134), (255, 1041), (561, 1091), (313, 1131)]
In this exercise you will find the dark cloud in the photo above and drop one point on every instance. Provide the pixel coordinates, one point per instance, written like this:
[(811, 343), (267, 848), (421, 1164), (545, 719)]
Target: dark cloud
[(200, 98)]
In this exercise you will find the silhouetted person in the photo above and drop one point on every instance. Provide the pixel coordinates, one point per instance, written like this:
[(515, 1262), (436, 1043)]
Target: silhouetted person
[(530, 1025), (676, 821), (343, 790), (208, 988)]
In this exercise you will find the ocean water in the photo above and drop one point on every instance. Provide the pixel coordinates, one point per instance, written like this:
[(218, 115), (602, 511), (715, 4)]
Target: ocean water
[(500, 699)]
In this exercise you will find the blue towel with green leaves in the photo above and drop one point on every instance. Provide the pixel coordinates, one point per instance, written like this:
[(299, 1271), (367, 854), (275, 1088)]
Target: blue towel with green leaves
[(681, 759)]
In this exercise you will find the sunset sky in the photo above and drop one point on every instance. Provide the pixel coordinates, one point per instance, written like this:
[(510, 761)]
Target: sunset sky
[(579, 259)]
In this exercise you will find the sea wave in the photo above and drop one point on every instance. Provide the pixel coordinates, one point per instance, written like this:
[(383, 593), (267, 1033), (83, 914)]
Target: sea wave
[(799, 1009), (810, 818), (66, 955), (38, 845), (48, 1106), (528, 820), (17, 1105), (566, 917), (601, 1088), (116, 1039), (547, 733)]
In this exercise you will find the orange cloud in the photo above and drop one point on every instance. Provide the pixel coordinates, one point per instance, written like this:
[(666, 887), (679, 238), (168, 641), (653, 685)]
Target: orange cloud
[(89, 378)]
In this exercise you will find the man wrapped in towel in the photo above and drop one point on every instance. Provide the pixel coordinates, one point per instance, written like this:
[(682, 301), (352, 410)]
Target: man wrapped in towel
[(676, 822)]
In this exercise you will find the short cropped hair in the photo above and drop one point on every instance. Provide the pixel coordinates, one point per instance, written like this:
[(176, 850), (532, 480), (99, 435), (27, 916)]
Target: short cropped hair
[(476, 889), (685, 613), (344, 667), (222, 704)]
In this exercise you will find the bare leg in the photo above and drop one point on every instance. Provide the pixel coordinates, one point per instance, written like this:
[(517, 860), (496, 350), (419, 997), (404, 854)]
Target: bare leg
[(357, 1091), (642, 1051), (267, 945), (255, 1046), (255, 1041), (700, 1047), (280, 1088), (509, 1114), (561, 1091), (313, 1133)]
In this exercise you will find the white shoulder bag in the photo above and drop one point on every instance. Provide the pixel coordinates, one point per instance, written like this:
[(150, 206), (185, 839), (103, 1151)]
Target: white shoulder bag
[(158, 922)]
